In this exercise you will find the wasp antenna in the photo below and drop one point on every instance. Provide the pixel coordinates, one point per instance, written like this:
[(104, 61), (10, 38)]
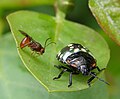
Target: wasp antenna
[(22, 32), (45, 45), (49, 44), (46, 41), (99, 78)]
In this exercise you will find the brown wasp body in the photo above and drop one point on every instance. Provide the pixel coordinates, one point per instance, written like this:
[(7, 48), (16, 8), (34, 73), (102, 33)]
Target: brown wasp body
[(34, 46)]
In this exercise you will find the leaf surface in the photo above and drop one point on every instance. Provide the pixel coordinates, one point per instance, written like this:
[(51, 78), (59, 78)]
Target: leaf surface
[(40, 27)]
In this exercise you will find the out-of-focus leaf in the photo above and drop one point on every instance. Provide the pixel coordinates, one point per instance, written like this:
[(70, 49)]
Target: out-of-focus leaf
[(40, 27), (66, 5), (107, 13), (20, 3), (115, 88), (1, 26)]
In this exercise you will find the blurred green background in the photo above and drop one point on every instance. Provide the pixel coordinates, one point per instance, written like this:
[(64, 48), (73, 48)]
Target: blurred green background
[(80, 14)]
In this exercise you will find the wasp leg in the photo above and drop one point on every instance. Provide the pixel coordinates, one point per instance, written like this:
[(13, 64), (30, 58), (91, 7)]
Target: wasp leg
[(64, 70), (70, 79)]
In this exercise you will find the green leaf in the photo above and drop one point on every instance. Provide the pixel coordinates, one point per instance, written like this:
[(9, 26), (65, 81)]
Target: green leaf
[(40, 27), (107, 13)]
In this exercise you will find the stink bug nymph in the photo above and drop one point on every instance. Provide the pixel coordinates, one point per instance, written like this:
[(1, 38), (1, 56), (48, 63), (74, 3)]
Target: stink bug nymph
[(34, 45), (77, 59)]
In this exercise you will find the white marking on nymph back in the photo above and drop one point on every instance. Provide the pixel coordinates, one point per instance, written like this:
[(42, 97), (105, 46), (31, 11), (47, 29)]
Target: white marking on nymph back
[(84, 50), (76, 50), (59, 53), (70, 45), (61, 56), (66, 55)]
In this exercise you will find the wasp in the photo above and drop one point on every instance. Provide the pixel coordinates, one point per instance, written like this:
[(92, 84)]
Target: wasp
[(34, 45)]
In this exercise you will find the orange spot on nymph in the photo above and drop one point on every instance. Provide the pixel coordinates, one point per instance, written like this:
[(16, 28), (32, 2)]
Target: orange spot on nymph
[(94, 64)]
